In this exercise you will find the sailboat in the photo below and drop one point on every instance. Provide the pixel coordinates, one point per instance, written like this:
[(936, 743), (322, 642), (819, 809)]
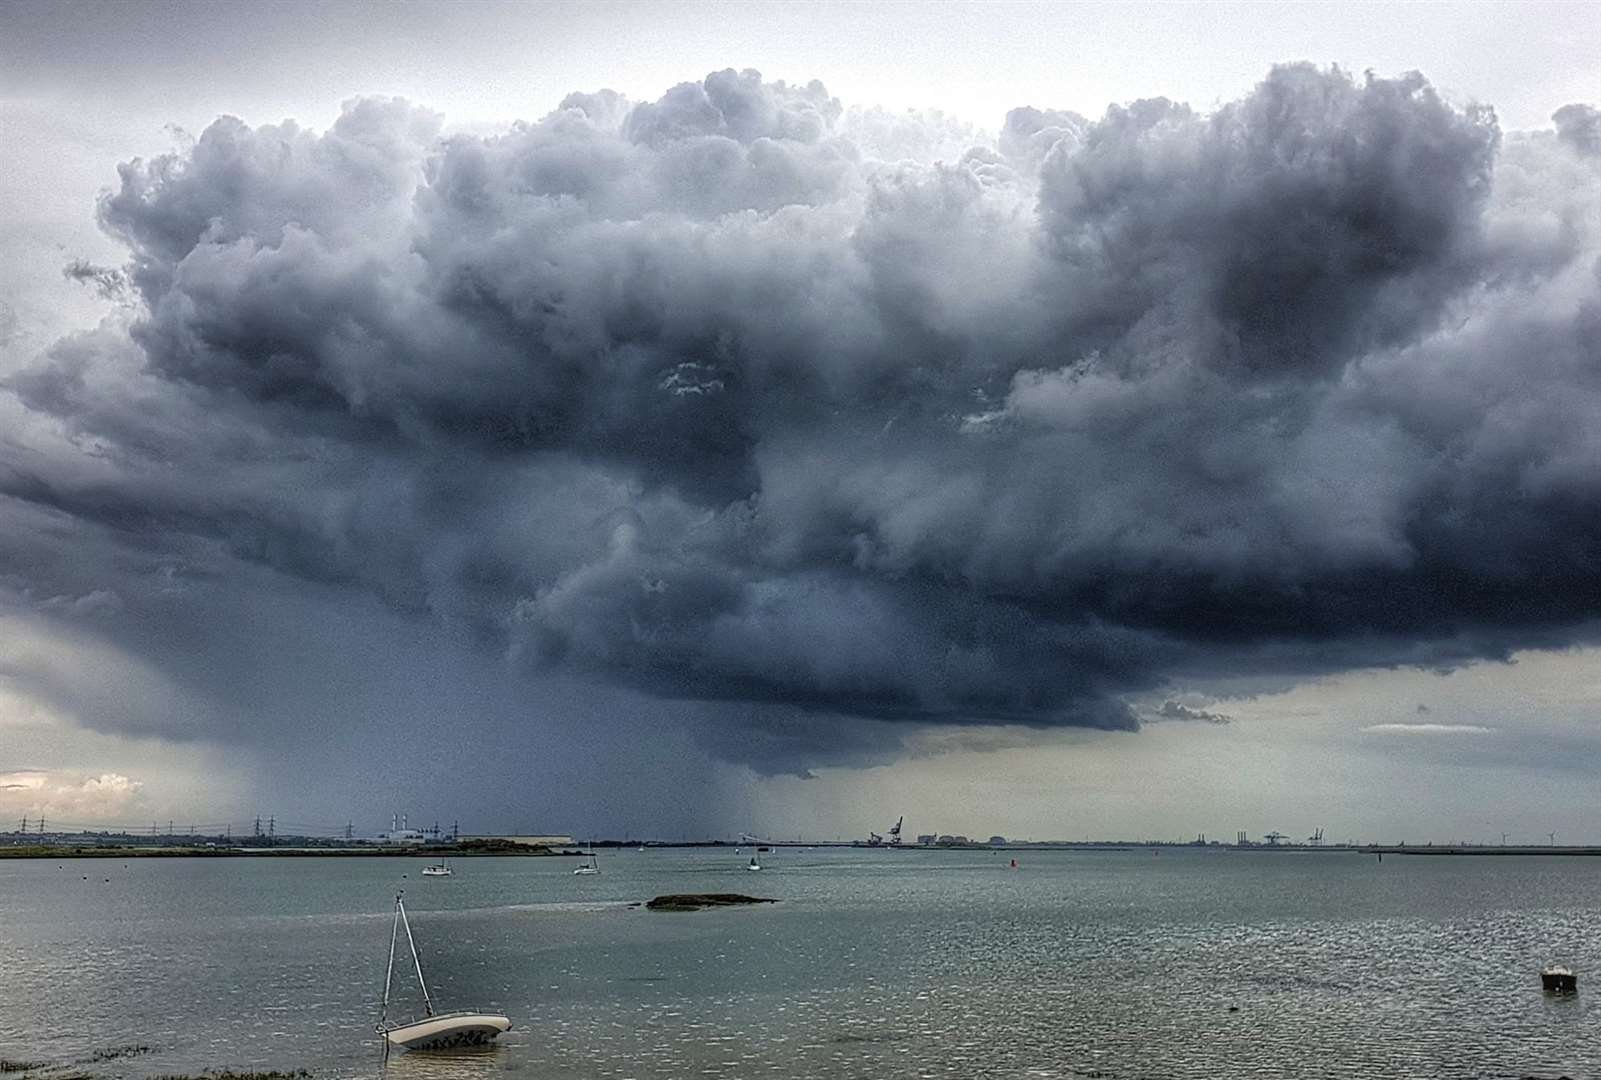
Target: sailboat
[(438, 869), (435, 1031), (590, 867)]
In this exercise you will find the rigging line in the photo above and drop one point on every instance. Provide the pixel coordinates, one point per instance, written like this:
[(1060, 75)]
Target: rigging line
[(426, 1000), (394, 931)]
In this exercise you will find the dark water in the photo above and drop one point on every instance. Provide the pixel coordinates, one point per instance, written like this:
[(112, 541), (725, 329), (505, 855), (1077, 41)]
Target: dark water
[(877, 964)]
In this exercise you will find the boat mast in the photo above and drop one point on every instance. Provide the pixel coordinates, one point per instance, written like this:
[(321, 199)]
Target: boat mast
[(426, 1000)]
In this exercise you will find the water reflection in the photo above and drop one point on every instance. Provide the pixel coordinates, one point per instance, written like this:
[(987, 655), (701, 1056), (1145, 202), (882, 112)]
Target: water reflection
[(466, 1063)]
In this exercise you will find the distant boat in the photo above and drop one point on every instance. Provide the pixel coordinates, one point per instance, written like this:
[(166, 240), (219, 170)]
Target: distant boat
[(438, 869), (435, 1031), (754, 865), (590, 867), (1559, 980)]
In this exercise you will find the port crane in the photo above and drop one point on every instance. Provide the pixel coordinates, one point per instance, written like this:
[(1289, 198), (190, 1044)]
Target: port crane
[(876, 840), (1316, 838), (1274, 837)]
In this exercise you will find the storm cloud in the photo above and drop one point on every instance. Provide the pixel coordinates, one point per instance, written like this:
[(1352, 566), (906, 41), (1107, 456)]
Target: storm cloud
[(742, 396)]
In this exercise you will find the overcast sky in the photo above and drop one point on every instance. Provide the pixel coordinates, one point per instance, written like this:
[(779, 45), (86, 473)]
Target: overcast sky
[(1058, 421)]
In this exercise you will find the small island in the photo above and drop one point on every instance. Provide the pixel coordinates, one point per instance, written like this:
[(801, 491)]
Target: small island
[(702, 901)]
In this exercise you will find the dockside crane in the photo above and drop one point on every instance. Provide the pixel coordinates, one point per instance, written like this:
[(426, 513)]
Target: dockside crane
[(877, 840)]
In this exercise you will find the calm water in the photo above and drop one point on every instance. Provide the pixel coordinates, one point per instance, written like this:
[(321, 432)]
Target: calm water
[(877, 964)]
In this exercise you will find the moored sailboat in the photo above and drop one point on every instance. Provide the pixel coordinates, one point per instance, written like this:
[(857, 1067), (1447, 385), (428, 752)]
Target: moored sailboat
[(434, 1031)]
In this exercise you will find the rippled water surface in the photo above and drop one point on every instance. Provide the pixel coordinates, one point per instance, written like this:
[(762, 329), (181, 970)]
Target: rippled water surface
[(877, 964)]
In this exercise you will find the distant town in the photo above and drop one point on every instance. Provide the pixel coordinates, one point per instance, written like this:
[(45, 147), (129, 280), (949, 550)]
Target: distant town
[(266, 836)]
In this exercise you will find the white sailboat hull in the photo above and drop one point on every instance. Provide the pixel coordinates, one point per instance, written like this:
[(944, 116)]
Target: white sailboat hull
[(448, 1031)]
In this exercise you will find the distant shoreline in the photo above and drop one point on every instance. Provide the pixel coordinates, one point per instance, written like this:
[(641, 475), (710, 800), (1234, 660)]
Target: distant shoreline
[(147, 851), (1477, 849)]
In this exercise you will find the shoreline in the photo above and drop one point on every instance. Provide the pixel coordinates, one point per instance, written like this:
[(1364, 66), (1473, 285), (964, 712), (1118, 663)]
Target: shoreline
[(141, 851), (103, 850)]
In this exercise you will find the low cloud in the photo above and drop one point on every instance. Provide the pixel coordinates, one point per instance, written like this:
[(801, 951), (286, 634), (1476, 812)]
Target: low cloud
[(97, 603), (67, 798), (1174, 710), (1427, 729)]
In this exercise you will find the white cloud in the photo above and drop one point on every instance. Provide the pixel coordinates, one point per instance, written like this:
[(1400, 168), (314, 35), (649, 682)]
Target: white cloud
[(57, 793), (1427, 729)]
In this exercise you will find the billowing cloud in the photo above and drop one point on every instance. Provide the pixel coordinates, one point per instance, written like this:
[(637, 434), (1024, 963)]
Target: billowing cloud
[(1580, 127), (741, 396), (66, 798)]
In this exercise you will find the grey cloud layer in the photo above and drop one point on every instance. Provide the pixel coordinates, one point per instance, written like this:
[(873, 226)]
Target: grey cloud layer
[(742, 396)]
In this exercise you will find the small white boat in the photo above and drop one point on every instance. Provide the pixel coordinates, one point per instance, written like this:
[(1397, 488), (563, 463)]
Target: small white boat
[(446, 1031), (590, 867), (754, 865), (438, 869), (434, 1031)]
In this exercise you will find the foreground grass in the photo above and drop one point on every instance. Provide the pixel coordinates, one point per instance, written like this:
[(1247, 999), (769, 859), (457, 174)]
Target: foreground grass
[(59, 1072)]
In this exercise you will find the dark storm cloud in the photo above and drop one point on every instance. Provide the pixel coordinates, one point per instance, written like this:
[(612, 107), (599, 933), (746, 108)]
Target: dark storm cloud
[(1286, 233), (742, 397)]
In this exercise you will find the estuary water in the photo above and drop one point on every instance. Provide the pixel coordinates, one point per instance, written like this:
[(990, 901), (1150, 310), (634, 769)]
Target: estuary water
[(877, 964)]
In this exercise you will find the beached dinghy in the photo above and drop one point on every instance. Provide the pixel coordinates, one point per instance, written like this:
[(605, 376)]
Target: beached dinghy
[(435, 1031)]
